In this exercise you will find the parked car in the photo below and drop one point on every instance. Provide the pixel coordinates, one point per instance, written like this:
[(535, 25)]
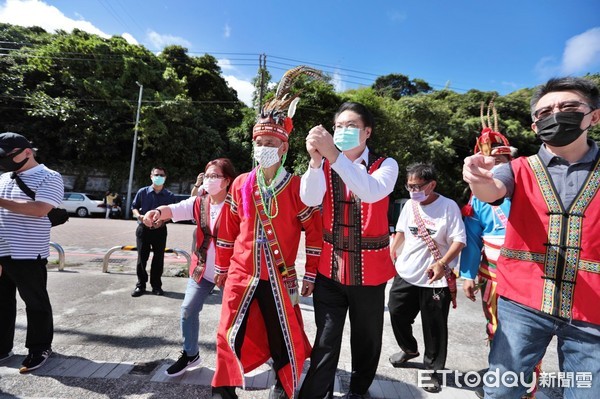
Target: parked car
[(83, 204)]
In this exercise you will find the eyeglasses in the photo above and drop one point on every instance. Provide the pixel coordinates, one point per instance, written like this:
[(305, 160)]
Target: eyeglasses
[(213, 176), (159, 174), (348, 126), (416, 187), (563, 106)]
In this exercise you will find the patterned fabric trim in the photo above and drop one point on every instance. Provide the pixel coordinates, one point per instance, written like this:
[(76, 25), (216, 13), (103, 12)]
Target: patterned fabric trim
[(313, 251), (523, 255), (310, 277), (372, 243), (280, 286), (564, 238), (221, 243), (306, 213), (232, 204), (584, 265), (588, 266)]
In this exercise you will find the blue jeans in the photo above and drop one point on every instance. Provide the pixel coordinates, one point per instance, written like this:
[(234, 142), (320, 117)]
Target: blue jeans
[(195, 295), (521, 341)]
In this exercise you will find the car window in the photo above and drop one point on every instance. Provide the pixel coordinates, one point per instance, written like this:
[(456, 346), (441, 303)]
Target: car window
[(76, 197)]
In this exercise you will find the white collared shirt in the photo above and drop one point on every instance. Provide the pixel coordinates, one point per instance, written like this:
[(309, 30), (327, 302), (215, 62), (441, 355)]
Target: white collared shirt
[(369, 188)]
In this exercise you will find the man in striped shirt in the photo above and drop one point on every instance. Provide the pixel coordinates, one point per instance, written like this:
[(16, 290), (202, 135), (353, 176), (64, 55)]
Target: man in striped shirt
[(24, 247)]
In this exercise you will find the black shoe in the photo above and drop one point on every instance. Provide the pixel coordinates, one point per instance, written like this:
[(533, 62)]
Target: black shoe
[(433, 384), (277, 392), (139, 291), (158, 291), (34, 361), (183, 364), (479, 392), (398, 359)]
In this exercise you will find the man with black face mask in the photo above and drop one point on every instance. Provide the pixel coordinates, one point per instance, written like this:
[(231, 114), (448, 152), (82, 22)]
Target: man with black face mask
[(24, 247), (548, 279)]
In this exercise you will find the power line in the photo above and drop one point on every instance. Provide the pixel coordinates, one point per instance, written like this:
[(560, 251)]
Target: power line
[(342, 75)]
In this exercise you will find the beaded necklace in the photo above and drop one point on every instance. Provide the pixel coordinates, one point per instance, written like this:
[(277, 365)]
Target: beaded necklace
[(267, 191)]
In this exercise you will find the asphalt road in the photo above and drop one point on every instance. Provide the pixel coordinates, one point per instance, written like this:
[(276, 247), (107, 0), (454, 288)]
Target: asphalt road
[(99, 326)]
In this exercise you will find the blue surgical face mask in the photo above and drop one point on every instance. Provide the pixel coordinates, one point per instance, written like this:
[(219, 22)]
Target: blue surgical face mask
[(158, 180), (346, 138)]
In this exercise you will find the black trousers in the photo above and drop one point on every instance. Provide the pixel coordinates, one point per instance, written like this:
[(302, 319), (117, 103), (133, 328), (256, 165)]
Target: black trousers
[(30, 278), (147, 240), (405, 303), (264, 296), (365, 305)]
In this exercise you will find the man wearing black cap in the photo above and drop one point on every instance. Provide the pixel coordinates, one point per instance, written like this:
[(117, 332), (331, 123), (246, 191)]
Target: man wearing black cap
[(24, 247)]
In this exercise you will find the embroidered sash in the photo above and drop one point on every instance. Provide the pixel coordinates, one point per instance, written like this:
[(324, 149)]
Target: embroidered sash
[(288, 275), (424, 234)]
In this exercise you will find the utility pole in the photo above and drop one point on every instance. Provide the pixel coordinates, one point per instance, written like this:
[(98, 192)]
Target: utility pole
[(262, 67), (135, 135)]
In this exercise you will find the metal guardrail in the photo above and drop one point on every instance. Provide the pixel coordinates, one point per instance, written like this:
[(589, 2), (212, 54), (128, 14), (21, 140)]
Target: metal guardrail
[(176, 251), (61, 255)]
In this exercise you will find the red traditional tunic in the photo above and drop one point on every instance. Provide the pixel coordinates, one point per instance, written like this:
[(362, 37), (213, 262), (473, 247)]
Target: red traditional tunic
[(357, 239), (551, 256), (244, 253)]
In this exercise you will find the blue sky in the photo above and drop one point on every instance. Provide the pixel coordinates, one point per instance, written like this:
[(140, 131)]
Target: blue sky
[(492, 46)]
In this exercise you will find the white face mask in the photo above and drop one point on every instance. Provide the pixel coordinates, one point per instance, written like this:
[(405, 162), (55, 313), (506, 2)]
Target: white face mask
[(213, 186), (266, 156), (418, 196)]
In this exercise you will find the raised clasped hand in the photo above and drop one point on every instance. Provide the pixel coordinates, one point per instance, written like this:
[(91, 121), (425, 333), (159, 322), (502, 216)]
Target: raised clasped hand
[(319, 142)]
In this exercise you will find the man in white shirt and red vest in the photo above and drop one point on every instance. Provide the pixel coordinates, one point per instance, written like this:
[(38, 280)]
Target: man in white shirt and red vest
[(549, 268), (353, 185)]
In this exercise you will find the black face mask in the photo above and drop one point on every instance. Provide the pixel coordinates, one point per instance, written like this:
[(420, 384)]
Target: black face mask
[(7, 164), (560, 129)]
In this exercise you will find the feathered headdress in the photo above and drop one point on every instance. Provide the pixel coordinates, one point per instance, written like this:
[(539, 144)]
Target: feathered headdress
[(275, 118), (491, 141)]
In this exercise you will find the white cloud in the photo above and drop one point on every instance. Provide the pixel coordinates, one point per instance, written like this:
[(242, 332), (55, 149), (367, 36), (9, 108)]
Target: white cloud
[(244, 88), (160, 41), (50, 18), (129, 37), (582, 53), (225, 64), (546, 68), (227, 31), (38, 13), (336, 81)]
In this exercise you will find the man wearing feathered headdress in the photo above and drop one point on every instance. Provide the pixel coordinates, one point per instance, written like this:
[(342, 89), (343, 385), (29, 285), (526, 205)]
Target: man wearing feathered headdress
[(485, 225), (257, 245), (352, 184)]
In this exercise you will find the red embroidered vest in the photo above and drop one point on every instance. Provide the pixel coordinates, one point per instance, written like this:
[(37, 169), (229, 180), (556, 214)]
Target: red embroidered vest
[(356, 235), (551, 256)]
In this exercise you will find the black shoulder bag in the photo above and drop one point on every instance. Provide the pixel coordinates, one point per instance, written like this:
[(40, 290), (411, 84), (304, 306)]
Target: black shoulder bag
[(57, 216)]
